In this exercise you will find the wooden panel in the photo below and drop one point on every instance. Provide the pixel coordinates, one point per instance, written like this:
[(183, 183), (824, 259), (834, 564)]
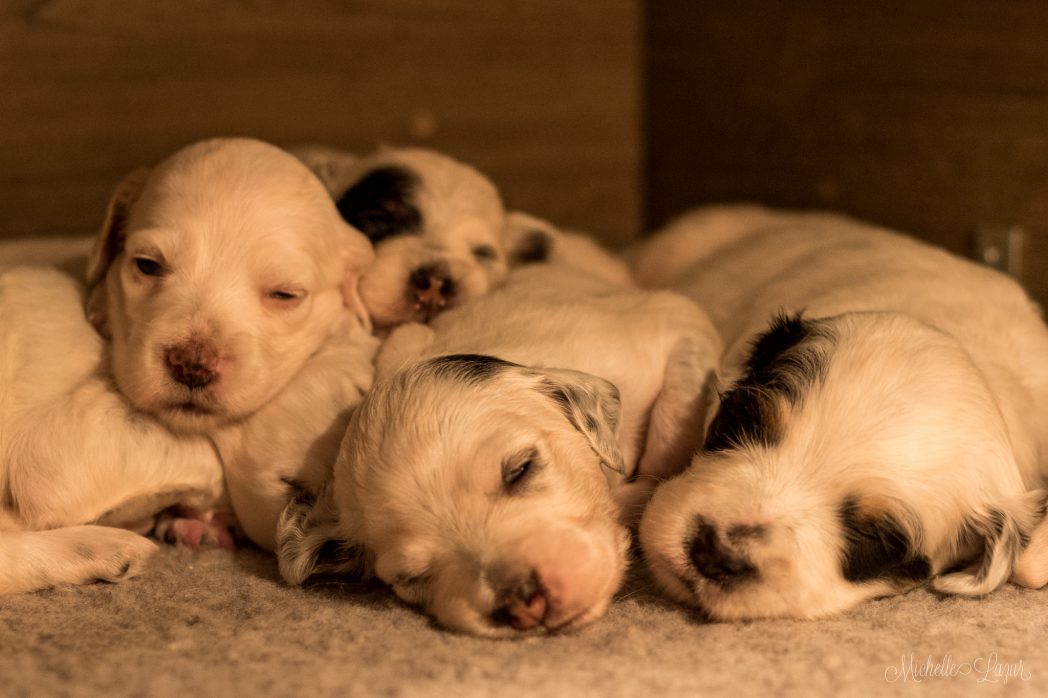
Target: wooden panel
[(927, 116), (544, 97)]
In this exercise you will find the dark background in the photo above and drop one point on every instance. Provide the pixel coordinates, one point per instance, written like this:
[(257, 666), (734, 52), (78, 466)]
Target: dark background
[(607, 115)]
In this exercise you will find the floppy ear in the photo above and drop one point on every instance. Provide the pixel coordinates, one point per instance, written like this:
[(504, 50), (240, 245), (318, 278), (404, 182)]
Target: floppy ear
[(110, 239), (358, 255), (1004, 533), (591, 404), (108, 244), (529, 240), (310, 541)]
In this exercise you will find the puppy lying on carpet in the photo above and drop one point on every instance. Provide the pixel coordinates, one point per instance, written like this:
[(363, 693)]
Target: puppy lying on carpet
[(487, 473), (885, 421), (441, 234), (218, 276)]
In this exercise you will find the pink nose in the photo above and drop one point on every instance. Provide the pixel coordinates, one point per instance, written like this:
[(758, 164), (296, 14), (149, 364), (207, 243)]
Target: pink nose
[(194, 364), (525, 604)]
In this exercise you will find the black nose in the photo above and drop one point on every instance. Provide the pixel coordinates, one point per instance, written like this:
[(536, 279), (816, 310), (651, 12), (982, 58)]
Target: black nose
[(715, 561), (524, 603), (431, 287)]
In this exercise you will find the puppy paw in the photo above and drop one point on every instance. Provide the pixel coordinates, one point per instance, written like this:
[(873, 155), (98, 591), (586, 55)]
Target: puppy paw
[(195, 529), (113, 555)]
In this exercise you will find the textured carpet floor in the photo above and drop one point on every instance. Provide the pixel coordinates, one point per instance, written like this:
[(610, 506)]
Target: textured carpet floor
[(215, 623)]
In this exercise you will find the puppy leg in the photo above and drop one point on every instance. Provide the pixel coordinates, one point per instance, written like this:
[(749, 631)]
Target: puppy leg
[(31, 560), (1031, 570), (678, 415)]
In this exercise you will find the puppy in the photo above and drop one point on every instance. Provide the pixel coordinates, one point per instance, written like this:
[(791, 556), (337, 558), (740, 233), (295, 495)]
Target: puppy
[(219, 276), (436, 224), (487, 473), (73, 452), (885, 421)]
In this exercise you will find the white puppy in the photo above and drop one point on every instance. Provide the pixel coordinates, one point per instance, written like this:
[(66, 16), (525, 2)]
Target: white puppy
[(474, 477), (888, 428), (220, 276), (436, 223), (73, 452)]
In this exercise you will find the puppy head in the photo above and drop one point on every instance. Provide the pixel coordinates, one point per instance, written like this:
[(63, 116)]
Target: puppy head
[(436, 223), (216, 275), (853, 457), (481, 494)]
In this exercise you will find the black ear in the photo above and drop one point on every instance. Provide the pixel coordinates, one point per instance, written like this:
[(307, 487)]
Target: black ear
[(878, 546), (591, 404), (310, 542), (381, 204)]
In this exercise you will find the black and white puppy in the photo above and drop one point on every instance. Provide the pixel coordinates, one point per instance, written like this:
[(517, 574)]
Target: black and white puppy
[(885, 421), (489, 472), (437, 226)]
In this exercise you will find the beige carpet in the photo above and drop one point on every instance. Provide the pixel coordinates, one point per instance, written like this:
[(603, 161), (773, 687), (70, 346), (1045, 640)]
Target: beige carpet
[(215, 623)]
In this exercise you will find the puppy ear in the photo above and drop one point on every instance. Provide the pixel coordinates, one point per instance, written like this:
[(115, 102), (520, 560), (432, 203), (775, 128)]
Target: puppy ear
[(591, 404), (309, 539), (403, 346), (358, 255), (529, 240), (108, 244), (1004, 533), (110, 239)]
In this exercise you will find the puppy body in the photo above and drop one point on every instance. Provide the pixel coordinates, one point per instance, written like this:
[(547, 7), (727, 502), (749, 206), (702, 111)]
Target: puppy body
[(897, 429), (474, 477), (73, 452)]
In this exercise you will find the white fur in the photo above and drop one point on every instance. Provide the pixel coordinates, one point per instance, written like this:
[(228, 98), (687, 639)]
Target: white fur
[(418, 487), (932, 411), (73, 452)]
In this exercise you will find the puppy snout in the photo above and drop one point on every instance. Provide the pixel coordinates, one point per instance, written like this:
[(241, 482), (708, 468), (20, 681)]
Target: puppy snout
[(431, 287), (194, 364), (524, 603), (714, 560)]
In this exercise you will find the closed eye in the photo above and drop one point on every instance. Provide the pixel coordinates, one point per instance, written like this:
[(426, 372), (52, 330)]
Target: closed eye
[(485, 252), (519, 469), (285, 297)]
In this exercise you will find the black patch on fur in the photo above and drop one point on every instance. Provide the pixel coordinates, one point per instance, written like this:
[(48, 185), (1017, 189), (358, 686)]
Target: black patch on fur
[(877, 548), (715, 561), (534, 248), (471, 368), (380, 205), (782, 366)]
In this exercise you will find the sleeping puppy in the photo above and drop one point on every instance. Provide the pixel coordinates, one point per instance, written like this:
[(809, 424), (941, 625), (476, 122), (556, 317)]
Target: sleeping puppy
[(219, 276), (73, 453), (487, 473), (436, 224), (884, 424)]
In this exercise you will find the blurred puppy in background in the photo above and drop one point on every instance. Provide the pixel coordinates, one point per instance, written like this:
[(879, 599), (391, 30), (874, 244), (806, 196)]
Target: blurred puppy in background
[(884, 420), (487, 474), (441, 234)]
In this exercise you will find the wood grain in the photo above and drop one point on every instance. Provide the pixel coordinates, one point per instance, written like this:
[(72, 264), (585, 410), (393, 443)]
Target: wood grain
[(543, 97), (931, 117)]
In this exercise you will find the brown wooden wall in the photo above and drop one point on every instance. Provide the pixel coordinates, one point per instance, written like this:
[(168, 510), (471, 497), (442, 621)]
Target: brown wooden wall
[(542, 96), (929, 116)]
